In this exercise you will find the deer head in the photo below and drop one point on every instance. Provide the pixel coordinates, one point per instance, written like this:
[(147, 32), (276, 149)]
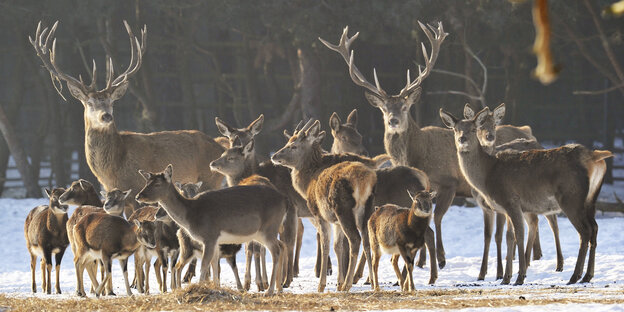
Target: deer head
[(145, 232), (232, 161), (189, 190), (421, 202), (55, 204), (115, 201), (465, 131), (244, 134), (486, 133), (98, 104), (157, 186), (77, 193), (347, 139), (395, 108), (300, 144)]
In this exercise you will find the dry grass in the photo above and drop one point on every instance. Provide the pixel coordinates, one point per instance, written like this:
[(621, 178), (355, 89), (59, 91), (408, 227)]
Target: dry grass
[(208, 297)]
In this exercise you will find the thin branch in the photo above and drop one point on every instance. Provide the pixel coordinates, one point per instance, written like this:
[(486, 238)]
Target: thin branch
[(470, 96), (485, 79), (597, 92)]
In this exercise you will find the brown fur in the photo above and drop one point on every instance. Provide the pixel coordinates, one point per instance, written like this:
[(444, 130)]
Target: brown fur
[(45, 234), (143, 255), (539, 176), (393, 227), (232, 215)]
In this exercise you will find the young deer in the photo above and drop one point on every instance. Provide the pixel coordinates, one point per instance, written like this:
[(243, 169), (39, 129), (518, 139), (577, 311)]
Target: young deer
[(233, 215), (102, 236), (45, 233), (144, 254), (401, 231), (429, 149), (517, 182), (494, 138), (339, 191), (113, 156)]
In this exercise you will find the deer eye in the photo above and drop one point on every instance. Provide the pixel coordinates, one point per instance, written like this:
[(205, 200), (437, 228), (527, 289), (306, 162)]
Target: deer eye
[(403, 108), (230, 158)]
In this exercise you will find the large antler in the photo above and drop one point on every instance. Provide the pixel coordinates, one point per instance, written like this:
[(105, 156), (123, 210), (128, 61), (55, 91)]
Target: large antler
[(41, 43), (343, 49), (436, 36)]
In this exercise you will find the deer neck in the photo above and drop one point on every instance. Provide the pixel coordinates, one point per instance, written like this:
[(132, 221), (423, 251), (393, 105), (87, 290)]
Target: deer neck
[(104, 150), (177, 207), (476, 166), (311, 166), (397, 144), (93, 199), (249, 168), (56, 221)]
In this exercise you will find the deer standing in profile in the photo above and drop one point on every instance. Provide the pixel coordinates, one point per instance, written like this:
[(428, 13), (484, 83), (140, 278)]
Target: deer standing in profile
[(495, 137), (339, 191), (232, 215), (392, 183), (113, 156), (46, 235), (518, 182), (429, 149)]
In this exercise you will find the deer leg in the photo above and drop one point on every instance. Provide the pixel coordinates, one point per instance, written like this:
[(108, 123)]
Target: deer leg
[(138, 271), (232, 262), (422, 259), (324, 232), (552, 221), (106, 262), (174, 261), (208, 254), (157, 265), (537, 245), (592, 248), (532, 221), (501, 219), (409, 263), (362, 225), (79, 266), (349, 227), (257, 253), (443, 201), (216, 270), (48, 270), (339, 249), (298, 248), (44, 286), (575, 210), (147, 264), (376, 255), (289, 237), (248, 256), (510, 253), (190, 272), (277, 250), (430, 243), (488, 224), (33, 269), (517, 221), (317, 265), (123, 263), (395, 265), (58, 258), (164, 266), (265, 279)]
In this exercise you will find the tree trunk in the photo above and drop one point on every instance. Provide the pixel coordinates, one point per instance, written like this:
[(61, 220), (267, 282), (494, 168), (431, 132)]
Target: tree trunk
[(19, 155), (310, 83)]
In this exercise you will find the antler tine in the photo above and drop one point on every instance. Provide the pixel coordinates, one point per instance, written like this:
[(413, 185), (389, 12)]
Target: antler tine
[(41, 43), (307, 125), (343, 48), (136, 55), (436, 36), (110, 71), (93, 84)]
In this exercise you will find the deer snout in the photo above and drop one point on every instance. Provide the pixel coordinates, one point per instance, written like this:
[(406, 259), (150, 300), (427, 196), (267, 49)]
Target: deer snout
[(462, 139), (214, 165), (393, 122), (106, 117), (489, 137)]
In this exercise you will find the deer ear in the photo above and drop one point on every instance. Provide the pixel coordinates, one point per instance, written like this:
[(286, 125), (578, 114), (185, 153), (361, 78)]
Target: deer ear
[(168, 173), (413, 97), (103, 194), (137, 223), (448, 119), (119, 91), (353, 118), (433, 194), (334, 121), (499, 113), (126, 193), (178, 185), (468, 112), (145, 175), (199, 184), (223, 128), (256, 126), (48, 192), (249, 148), (77, 93), (480, 117), (374, 99)]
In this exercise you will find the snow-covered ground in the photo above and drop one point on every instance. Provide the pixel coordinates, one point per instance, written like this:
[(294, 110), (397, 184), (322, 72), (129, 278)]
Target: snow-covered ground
[(463, 239)]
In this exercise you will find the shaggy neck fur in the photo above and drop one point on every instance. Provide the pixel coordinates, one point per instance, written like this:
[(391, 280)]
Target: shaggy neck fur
[(250, 167), (103, 149), (397, 144), (475, 164), (310, 167)]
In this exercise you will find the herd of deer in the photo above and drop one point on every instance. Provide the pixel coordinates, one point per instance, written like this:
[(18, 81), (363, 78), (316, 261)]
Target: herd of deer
[(181, 214)]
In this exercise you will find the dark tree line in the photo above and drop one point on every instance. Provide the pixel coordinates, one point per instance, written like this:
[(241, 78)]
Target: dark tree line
[(236, 59)]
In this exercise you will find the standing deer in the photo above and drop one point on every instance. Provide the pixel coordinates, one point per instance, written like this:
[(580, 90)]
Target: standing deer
[(113, 156), (45, 233), (233, 215), (494, 138), (429, 149), (530, 181), (339, 191), (392, 183)]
